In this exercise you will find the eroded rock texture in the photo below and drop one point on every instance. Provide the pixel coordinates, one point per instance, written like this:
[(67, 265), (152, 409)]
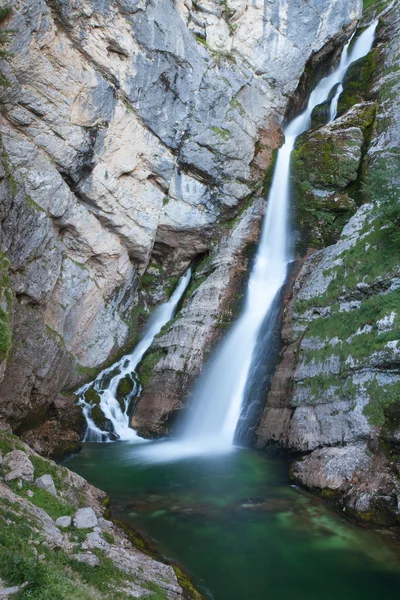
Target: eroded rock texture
[(335, 393), (130, 131)]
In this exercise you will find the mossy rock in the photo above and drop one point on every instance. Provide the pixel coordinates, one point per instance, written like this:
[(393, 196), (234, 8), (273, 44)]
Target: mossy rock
[(358, 82), (321, 114), (126, 391), (327, 158), (91, 396), (99, 418), (6, 295), (125, 387), (149, 362)]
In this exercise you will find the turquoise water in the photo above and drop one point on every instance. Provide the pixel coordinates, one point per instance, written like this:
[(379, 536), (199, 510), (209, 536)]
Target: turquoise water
[(240, 530)]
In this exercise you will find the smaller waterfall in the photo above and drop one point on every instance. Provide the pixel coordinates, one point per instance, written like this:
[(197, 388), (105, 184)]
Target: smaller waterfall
[(334, 103), (107, 388)]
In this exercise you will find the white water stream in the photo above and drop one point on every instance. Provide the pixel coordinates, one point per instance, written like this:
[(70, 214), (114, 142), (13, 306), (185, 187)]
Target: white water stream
[(219, 394), (126, 366)]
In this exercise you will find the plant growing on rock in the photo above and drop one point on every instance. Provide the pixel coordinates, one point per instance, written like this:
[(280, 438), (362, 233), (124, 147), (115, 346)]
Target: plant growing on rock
[(5, 12)]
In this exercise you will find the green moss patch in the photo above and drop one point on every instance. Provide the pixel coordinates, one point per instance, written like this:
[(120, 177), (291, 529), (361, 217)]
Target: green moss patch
[(146, 367)]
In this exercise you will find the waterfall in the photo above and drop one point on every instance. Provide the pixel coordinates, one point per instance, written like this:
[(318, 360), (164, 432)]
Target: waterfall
[(106, 383), (218, 397)]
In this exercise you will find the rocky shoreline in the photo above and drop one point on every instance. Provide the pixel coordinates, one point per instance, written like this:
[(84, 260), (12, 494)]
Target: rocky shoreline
[(57, 542)]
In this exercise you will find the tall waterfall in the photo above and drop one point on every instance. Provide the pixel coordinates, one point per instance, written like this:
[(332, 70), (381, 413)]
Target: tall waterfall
[(219, 394), (106, 383)]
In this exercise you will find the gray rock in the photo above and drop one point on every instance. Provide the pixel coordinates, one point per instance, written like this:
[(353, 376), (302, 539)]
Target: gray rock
[(105, 524), (17, 465), (95, 541), (45, 482), (85, 518), (88, 558), (63, 522)]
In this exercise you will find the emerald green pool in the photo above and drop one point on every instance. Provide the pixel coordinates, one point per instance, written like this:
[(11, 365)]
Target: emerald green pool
[(240, 530)]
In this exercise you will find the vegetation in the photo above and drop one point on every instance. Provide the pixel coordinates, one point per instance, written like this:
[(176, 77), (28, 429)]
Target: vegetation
[(146, 367), (5, 12), (5, 307)]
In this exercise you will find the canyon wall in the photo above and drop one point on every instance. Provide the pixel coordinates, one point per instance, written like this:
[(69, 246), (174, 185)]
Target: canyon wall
[(135, 136), (334, 396)]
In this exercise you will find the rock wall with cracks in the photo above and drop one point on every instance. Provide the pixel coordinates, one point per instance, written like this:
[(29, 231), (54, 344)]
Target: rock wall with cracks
[(130, 131), (335, 394)]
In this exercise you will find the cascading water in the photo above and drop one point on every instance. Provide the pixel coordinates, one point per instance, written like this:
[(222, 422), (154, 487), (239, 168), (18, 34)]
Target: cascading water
[(107, 390), (219, 394)]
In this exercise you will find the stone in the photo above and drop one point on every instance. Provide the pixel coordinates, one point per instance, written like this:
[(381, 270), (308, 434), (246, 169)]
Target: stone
[(88, 558), (85, 518), (105, 524), (63, 522), (95, 541), (17, 465), (45, 482)]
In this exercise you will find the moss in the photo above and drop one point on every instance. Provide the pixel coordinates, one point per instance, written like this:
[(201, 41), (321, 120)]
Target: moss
[(44, 467), (381, 397), (34, 205), (190, 592), (5, 13), (146, 367), (224, 134), (91, 396), (6, 295), (358, 82), (372, 8), (109, 537), (9, 442), (88, 372), (5, 334)]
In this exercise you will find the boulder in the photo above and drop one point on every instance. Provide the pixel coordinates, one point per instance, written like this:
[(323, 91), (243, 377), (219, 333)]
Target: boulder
[(45, 482), (88, 558), (17, 465), (63, 522), (94, 541), (85, 518)]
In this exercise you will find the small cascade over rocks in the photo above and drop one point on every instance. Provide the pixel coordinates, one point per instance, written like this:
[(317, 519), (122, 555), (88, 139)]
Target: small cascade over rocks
[(220, 394), (106, 383)]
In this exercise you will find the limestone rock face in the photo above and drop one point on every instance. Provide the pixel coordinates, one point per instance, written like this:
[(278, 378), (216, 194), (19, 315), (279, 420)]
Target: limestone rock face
[(129, 132), (335, 393)]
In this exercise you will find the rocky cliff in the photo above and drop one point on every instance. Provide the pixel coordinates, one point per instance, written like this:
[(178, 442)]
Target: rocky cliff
[(335, 392), (135, 135)]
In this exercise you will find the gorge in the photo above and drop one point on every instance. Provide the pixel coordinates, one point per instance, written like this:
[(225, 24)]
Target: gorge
[(200, 243)]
